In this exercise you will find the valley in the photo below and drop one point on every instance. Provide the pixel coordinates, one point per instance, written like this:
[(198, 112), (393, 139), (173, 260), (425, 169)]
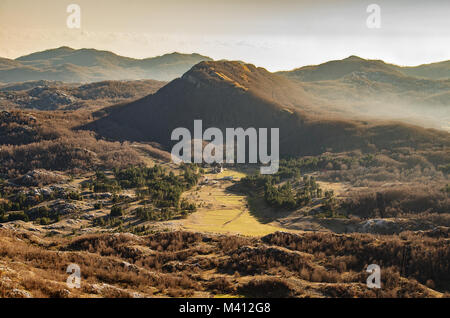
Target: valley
[(86, 177), (221, 211)]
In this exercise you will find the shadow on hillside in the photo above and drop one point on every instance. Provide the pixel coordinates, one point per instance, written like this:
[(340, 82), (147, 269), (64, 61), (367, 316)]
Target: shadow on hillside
[(257, 207)]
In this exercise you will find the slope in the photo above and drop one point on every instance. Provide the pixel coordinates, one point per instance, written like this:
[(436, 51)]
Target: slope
[(230, 94)]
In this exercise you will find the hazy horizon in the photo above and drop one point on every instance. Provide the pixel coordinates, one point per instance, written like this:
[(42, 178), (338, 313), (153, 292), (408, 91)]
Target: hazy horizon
[(194, 52), (277, 35)]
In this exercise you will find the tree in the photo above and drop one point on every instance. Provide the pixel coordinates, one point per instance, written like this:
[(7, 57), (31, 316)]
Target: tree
[(116, 211)]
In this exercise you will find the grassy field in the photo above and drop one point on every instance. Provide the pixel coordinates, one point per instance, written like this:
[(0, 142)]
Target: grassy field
[(225, 212), (230, 221), (221, 211), (226, 173)]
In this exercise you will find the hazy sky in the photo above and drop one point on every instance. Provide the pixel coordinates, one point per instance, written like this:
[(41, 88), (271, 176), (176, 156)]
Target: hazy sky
[(276, 34)]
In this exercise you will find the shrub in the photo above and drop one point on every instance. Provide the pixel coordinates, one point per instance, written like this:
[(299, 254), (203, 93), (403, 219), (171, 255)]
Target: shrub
[(116, 211)]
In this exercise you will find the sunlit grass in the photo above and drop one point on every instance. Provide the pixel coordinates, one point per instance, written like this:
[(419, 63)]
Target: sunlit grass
[(225, 212), (232, 221), (235, 174)]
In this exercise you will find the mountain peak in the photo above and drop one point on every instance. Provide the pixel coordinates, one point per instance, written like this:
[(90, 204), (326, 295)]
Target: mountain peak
[(193, 58), (354, 58), (229, 67), (46, 54), (231, 73), (64, 48), (338, 69)]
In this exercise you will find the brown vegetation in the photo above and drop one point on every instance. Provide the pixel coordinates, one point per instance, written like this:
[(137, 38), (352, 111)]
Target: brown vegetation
[(48, 141), (180, 264)]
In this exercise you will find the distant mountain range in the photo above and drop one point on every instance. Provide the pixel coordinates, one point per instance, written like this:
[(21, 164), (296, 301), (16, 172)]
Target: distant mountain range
[(89, 65), (353, 88), (373, 88), (337, 69)]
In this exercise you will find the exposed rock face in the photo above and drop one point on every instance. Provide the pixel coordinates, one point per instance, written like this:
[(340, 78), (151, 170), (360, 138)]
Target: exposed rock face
[(18, 293), (39, 177), (379, 226), (64, 208)]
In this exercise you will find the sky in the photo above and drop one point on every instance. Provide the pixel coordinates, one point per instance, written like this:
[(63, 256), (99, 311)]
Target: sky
[(275, 34)]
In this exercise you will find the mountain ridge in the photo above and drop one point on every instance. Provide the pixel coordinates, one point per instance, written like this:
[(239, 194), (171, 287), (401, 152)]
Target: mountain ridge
[(327, 70), (230, 94), (91, 65), (38, 66), (373, 88)]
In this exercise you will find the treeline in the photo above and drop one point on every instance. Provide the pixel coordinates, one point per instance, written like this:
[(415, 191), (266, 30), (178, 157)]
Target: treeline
[(292, 194), (164, 189), (301, 194), (159, 190), (422, 179), (147, 213), (359, 169)]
